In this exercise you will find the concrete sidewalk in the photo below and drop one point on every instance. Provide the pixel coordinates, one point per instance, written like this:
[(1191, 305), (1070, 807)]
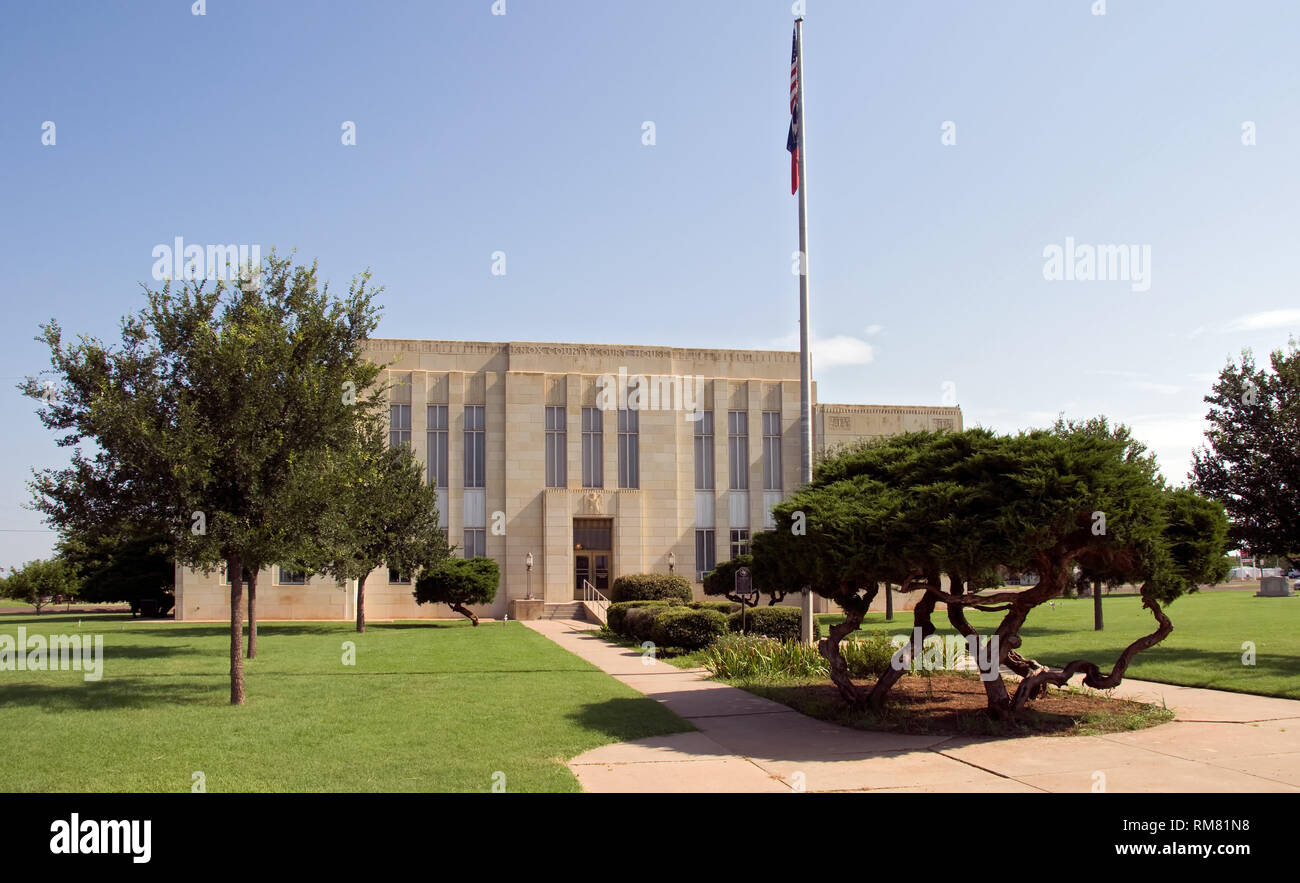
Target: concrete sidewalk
[(1222, 742)]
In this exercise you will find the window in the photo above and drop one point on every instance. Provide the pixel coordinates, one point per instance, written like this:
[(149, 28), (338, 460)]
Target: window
[(557, 449), (629, 450), (771, 450), (738, 449), (593, 448), (292, 577), (244, 575), (437, 438), (475, 542), (475, 447), (706, 554), (396, 579), (739, 543), (399, 425), (704, 452)]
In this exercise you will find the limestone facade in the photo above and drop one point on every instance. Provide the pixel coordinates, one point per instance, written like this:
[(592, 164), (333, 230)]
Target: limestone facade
[(625, 479)]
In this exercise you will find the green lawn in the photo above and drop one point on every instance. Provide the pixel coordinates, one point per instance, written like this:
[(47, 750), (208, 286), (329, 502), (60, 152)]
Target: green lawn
[(427, 707), (1205, 649)]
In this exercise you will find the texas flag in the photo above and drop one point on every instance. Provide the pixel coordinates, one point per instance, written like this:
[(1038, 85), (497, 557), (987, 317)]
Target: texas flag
[(792, 140)]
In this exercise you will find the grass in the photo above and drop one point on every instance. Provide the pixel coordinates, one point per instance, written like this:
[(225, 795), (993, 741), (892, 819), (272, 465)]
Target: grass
[(1205, 649), (427, 707), (673, 656)]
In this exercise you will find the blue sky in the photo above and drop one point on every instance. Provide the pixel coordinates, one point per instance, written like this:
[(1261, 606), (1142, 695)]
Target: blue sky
[(522, 133)]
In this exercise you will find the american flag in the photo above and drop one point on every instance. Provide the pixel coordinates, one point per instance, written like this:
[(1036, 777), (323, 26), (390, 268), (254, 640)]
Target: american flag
[(792, 140)]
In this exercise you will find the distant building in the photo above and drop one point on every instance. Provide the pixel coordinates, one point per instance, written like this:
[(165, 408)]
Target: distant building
[(588, 457)]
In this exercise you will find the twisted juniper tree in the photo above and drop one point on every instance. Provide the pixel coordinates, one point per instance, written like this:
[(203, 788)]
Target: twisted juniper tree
[(946, 512)]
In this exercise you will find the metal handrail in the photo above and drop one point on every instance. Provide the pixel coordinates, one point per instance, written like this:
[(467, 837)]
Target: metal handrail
[(592, 595)]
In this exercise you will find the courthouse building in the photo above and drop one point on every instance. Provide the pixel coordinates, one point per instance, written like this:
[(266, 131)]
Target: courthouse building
[(590, 461)]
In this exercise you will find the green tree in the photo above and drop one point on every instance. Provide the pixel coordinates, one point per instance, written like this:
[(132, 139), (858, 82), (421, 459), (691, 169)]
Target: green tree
[(458, 582), (375, 509), (914, 509), (122, 566), (39, 582), (205, 414), (722, 580), (1252, 460)]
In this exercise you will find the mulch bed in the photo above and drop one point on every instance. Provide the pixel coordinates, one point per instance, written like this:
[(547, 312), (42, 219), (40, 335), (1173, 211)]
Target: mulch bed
[(954, 704)]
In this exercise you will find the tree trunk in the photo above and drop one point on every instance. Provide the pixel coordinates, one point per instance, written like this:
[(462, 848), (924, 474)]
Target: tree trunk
[(829, 647), (252, 614), (234, 568), (920, 617), (995, 689), (1032, 686), (361, 603), (465, 611)]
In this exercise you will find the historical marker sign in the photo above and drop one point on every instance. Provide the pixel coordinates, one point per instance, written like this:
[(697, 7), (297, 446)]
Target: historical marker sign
[(744, 582)]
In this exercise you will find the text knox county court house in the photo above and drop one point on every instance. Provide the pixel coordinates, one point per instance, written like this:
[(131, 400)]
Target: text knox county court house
[(594, 460)]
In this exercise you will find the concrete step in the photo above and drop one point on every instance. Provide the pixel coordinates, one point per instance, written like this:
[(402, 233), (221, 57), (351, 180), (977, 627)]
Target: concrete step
[(570, 610)]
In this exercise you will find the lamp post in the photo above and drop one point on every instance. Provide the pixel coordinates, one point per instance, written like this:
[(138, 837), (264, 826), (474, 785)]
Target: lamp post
[(672, 562), (528, 564)]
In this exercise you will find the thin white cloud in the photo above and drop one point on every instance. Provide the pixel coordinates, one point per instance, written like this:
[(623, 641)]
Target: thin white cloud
[(873, 330), (1265, 320), (833, 352)]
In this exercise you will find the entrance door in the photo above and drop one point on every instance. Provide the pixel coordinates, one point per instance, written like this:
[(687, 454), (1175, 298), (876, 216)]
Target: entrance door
[(592, 567), (581, 574), (593, 559)]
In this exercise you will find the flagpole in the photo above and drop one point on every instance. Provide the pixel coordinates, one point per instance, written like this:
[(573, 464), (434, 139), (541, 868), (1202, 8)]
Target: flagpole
[(805, 357)]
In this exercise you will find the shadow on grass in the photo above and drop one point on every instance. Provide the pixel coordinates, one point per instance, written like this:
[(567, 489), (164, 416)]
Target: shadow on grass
[(626, 719), (124, 693)]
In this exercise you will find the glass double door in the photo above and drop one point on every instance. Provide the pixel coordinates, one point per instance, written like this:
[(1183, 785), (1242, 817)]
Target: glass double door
[(592, 567)]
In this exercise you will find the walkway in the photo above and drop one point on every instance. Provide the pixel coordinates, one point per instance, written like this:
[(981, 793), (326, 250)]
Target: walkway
[(1220, 742)]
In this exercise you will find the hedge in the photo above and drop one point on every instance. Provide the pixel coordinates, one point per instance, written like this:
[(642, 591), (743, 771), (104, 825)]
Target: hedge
[(686, 628), (781, 623), (726, 608), (651, 587), (638, 622), (616, 616)]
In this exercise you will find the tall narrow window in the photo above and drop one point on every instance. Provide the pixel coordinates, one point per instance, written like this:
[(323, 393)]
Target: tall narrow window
[(399, 425), (704, 452), (738, 449), (771, 450), (475, 542), (629, 449), (706, 553), (475, 447), (437, 438), (739, 543), (557, 447), (593, 448)]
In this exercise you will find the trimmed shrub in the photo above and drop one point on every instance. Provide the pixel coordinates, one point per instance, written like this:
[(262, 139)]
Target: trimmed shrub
[(726, 608), (781, 623), (638, 622), (651, 587), (686, 628), (616, 616)]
